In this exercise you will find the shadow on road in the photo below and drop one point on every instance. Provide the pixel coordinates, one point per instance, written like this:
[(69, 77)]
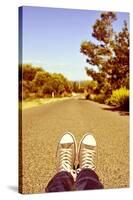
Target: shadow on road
[(116, 109), (108, 108)]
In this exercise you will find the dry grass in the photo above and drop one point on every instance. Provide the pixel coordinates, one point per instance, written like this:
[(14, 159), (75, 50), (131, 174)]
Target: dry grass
[(37, 102)]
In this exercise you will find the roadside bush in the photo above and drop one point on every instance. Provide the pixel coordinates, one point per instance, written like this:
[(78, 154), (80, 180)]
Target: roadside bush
[(90, 96), (25, 94), (39, 94), (100, 98), (119, 98), (87, 96), (65, 94)]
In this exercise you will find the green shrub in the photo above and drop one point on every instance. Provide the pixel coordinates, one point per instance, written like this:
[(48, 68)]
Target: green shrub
[(119, 98)]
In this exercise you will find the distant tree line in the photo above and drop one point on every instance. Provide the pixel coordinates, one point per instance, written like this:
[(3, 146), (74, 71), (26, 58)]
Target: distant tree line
[(35, 82)]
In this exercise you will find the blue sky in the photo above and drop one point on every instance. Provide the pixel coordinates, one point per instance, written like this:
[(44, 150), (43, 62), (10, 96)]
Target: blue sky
[(52, 38)]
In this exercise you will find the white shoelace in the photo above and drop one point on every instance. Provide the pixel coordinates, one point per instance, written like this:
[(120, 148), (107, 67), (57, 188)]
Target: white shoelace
[(66, 161), (88, 158)]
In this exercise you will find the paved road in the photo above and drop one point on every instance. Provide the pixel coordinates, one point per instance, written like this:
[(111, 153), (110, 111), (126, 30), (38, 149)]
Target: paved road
[(42, 127)]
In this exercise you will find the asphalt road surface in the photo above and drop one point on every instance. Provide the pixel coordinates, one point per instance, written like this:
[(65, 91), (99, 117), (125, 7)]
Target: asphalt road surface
[(43, 126)]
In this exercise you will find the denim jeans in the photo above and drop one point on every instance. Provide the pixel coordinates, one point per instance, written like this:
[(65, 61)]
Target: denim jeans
[(63, 181)]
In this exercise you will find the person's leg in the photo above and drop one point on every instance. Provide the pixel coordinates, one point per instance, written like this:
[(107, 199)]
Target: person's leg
[(66, 154), (62, 181), (87, 177)]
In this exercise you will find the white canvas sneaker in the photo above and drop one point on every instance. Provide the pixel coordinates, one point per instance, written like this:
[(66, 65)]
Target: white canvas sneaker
[(87, 152), (66, 153)]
